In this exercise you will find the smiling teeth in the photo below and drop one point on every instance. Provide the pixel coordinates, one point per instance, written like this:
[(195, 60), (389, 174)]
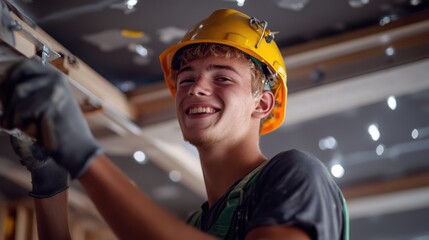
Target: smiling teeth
[(201, 110)]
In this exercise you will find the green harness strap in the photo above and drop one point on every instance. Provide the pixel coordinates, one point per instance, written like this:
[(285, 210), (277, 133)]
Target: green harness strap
[(346, 219), (221, 227)]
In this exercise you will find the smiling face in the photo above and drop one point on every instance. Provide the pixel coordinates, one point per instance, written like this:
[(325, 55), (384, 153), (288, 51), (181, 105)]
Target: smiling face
[(215, 101)]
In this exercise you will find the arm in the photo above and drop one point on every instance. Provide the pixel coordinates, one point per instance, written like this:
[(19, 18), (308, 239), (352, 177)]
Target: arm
[(129, 212), (49, 184), (52, 217), (48, 112)]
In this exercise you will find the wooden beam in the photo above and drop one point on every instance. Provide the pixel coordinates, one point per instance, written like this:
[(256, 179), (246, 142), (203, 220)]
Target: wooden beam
[(28, 41), (388, 186)]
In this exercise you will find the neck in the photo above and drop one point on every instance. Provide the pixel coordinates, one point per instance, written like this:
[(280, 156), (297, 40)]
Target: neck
[(224, 164)]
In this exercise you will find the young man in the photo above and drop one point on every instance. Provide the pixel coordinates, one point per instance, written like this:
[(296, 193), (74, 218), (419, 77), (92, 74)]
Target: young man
[(229, 80)]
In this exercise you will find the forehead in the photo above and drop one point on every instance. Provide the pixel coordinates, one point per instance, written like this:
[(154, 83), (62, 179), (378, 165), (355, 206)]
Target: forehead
[(201, 50), (211, 63)]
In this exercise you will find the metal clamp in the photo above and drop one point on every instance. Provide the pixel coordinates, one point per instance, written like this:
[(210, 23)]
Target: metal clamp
[(257, 25)]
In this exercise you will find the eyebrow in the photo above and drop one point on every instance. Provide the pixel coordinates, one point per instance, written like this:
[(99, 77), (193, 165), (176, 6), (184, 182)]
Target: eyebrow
[(210, 67)]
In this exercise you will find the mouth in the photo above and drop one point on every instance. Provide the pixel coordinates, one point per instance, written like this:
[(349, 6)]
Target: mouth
[(201, 110)]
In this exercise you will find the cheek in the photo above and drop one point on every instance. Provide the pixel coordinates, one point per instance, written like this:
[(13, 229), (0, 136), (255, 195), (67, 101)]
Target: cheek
[(244, 104), (180, 95), (178, 102)]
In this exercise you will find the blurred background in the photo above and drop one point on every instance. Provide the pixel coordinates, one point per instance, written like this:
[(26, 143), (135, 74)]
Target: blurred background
[(358, 100)]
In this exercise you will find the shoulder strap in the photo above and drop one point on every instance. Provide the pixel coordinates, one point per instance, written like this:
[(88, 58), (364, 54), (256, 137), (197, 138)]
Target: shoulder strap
[(195, 219), (346, 219), (221, 227)]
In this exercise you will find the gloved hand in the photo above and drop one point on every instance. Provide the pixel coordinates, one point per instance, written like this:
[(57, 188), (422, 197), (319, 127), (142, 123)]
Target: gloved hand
[(47, 177), (37, 100)]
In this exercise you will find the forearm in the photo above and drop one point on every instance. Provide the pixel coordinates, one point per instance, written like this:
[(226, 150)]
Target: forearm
[(52, 217), (128, 211)]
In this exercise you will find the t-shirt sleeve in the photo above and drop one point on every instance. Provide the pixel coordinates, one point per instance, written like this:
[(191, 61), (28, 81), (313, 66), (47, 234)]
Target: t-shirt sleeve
[(295, 189)]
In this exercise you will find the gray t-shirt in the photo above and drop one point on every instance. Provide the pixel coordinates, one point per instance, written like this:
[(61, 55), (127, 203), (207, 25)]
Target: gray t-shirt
[(293, 189)]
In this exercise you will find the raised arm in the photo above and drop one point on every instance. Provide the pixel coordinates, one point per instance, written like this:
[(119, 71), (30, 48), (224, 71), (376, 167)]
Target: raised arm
[(129, 212), (38, 101), (49, 185), (52, 217)]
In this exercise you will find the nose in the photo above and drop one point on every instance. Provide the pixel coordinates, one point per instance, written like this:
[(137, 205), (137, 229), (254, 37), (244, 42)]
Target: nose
[(201, 87)]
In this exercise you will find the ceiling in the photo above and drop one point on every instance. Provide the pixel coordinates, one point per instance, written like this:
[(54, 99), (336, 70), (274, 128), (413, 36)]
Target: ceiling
[(341, 72)]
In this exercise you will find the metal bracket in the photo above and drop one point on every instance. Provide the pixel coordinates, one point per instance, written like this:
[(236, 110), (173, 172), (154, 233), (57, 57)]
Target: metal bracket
[(8, 27)]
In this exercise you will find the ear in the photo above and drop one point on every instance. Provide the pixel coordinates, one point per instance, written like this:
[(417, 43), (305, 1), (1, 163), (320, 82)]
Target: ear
[(264, 105)]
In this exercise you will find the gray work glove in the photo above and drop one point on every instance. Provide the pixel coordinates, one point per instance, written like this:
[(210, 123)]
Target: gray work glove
[(47, 177), (37, 100)]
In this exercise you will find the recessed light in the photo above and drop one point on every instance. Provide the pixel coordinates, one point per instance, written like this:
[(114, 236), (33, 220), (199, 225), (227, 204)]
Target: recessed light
[(140, 157), (374, 132), (175, 176), (337, 170)]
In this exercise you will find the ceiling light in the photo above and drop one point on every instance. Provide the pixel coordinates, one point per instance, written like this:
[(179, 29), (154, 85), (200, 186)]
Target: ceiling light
[(387, 19), (415, 133), (390, 51), (296, 5), (126, 86), (384, 20), (175, 176), (140, 50), (391, 102), (140, 157), (337, 170), (240, 3), (379, 150), (358, 3), (131, 3), (415, 2), (328, 143), (373, 131), (126, 6)]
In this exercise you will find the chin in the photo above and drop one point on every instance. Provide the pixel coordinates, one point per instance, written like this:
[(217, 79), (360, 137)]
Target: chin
[(200, 140)]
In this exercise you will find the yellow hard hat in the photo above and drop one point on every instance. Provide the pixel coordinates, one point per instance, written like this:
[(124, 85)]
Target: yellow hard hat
[(248, 34)]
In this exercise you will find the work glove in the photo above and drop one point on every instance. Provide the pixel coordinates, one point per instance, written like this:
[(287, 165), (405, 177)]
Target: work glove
[(37, 100), (47, 177)]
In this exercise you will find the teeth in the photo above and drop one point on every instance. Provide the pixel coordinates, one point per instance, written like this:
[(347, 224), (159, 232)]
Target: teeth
[(197, 110)]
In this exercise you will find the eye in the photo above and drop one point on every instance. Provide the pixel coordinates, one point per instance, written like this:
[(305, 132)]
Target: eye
[(185, 81), (223, 79)]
